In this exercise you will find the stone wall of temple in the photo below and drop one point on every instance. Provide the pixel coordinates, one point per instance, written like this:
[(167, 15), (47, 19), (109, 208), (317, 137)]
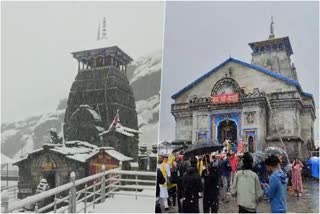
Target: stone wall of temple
[(200, 123), (183, 128), (254, 118), (279, 62), (307, 133), (105, 89)]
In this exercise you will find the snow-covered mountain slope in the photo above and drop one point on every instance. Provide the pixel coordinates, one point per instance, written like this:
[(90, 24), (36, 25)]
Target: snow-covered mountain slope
[(148, 118), (24, 136), (144, 74)]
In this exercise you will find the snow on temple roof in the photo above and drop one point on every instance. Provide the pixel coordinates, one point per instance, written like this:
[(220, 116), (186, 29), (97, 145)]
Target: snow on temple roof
[(118, 155), (80, 151)]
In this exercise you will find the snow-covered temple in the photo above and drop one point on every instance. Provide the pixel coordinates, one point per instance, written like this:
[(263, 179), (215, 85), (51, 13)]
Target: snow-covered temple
[(92, 132)]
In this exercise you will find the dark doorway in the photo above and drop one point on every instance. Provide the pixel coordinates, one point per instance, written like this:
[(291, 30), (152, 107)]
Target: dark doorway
[(51, 179), (251, 144), (227, 130)]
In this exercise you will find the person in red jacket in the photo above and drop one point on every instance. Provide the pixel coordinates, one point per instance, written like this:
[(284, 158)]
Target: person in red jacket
[(234, 164)]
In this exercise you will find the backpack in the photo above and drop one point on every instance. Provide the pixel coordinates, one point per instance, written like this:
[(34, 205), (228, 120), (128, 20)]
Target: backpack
[(174, 175)]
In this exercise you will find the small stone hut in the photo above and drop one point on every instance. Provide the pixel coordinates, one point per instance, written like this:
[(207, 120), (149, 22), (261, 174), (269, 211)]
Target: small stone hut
[(55, 162)]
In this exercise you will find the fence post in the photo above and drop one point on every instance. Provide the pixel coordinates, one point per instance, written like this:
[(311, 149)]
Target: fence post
[(36, 208), (136, 187), (103, 184), (70, 207), (7, 174), (73, 192), (94, 194), (120, 176), (4, 201), (14, 193), (55, 204), (85, 198)]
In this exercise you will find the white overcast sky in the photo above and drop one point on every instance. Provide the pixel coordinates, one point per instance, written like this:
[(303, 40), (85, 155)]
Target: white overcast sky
[(37, 69), (199, 36)]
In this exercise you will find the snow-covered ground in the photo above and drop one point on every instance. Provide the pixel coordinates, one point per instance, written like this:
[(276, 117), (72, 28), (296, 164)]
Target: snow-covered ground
[(127, 204)]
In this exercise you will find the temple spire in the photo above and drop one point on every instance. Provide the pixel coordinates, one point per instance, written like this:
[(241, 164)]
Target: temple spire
[(271, 36), (104, 28), (98, 35), (103, 33)]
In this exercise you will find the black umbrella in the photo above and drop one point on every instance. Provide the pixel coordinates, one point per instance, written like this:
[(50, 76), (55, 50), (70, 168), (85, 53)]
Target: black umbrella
[(178, 149), (202, 147), (258, 157)]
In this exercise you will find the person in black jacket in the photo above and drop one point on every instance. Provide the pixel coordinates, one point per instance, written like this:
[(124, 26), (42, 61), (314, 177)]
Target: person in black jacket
[(211, 189), (160, 180), (192, 188), (181, 169)]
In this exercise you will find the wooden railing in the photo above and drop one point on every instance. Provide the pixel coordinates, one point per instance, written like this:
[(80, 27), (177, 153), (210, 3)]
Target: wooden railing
[(78, 195)]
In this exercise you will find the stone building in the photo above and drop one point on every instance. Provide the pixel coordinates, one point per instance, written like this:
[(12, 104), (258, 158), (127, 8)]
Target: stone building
[(101, 87), (92, 132), (55, 162), (255, 103)]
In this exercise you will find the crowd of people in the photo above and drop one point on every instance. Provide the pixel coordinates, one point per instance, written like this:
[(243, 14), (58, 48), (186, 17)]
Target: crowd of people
[(209, 178)]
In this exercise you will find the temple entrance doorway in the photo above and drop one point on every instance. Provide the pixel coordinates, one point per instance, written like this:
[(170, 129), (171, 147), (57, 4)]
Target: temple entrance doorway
[(51, 178), (251, 144), (227, 130)]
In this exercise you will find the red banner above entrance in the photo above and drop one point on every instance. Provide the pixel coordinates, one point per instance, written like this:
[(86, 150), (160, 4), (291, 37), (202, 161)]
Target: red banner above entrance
[(225, 98)]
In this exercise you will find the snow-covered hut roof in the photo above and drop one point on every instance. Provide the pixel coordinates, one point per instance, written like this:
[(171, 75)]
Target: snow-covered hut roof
[(81, 151), (117, 155)]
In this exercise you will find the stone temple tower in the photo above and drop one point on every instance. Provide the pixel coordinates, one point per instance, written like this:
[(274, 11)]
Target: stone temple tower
[(274, 54), (100, 89)]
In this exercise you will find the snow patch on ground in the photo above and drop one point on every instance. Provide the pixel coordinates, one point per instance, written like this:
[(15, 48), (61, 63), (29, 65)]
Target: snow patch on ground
[(127, 204)]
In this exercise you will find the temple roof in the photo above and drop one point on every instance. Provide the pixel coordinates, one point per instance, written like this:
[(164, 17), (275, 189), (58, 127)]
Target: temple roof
[(102, 50), (269, 42), (80, 151), (257, 68)]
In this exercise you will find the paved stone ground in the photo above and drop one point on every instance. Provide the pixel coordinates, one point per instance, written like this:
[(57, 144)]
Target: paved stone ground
[(308, 203)]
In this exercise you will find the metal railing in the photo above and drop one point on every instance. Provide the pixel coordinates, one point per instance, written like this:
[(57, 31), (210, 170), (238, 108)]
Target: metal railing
[(9, 175), (78, 195), (12, 191)]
